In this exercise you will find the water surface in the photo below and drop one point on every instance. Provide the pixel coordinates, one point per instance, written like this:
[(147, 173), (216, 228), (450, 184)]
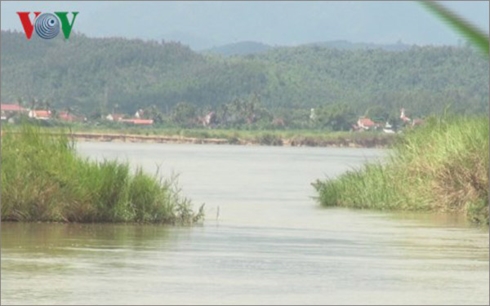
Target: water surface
[(270, 243)]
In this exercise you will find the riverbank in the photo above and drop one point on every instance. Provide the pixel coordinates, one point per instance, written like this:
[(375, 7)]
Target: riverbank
[(295, 138), (442, 166), (43, 179), (267, 139)]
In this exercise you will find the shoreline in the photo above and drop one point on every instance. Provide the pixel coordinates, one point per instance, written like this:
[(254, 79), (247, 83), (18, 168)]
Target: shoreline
[(340, 142)]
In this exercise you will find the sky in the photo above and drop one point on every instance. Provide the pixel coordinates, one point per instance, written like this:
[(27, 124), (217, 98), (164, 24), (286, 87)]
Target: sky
[(205, 24)]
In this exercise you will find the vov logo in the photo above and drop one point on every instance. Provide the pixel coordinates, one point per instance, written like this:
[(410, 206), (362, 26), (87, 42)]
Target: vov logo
[(47, 25)]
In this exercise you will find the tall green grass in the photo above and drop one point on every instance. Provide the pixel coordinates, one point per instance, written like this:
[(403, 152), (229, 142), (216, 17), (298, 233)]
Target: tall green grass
[(43, 179), (441, 166)]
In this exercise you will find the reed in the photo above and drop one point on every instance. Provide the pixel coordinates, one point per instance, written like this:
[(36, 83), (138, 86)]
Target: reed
[(43, 179), (441, 166)]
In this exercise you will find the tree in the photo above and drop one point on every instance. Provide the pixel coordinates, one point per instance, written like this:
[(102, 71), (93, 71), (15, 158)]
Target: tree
[(184, 114), (338, 117)]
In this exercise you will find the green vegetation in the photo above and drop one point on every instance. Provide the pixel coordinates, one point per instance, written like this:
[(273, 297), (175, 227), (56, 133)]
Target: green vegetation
[(441, 166), (44, 180), (174, 85), (240, 48)]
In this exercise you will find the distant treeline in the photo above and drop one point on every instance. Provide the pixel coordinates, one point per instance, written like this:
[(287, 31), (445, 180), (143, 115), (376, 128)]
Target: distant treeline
[(97, 76)]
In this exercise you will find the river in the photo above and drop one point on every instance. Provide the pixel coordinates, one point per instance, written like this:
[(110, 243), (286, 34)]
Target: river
[(264, 240)]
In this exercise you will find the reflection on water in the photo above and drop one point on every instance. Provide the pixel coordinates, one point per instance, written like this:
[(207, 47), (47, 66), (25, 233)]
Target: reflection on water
[(270, 245)]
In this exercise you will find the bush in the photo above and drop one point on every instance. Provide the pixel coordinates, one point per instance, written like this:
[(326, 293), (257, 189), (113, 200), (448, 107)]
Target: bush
[(43, 179), (441, 166)]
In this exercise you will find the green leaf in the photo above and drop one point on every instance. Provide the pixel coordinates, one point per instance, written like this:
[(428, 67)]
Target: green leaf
[(474, 34)]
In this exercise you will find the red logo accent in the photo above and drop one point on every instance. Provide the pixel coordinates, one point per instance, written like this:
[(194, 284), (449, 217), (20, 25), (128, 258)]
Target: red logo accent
[(27, 23)]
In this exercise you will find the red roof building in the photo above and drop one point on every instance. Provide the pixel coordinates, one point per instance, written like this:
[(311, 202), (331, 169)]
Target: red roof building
[(143, 121), (40, 114), (12, 108), (138, 121), (65, 116), (8, 110), (114, 117), (365, 123)]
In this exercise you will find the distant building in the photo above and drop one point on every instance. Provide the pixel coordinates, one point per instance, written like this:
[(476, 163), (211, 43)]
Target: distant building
[(403, 117), (114, 117), (139, 114), (388, 129), (7, 110), (137, 121), (40, 114), (406, 120), (366, 123), (66, 116)]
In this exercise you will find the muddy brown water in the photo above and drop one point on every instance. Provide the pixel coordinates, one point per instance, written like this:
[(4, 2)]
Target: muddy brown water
[(270, 243)]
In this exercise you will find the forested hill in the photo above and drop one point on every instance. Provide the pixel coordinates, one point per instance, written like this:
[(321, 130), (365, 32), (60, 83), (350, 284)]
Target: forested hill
[(98, 73), (240, 48)]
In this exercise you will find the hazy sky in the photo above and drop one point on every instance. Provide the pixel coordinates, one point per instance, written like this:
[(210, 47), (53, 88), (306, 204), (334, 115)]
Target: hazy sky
[(206, 24)]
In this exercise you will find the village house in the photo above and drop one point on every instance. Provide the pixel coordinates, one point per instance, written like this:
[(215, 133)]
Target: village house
[(137, 121), (115, 117), (8, 110), (365, 123), (68, 117), (65, 116), (388, 128), (40, 114), (139, 113), (406, 120)]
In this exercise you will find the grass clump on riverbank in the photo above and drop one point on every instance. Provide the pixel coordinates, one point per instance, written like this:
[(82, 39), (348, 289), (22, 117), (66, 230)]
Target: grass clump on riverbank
[(43, 179), (441, 166)]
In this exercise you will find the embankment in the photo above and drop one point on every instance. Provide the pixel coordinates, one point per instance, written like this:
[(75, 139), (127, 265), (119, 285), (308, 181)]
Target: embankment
[(353, 140)]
